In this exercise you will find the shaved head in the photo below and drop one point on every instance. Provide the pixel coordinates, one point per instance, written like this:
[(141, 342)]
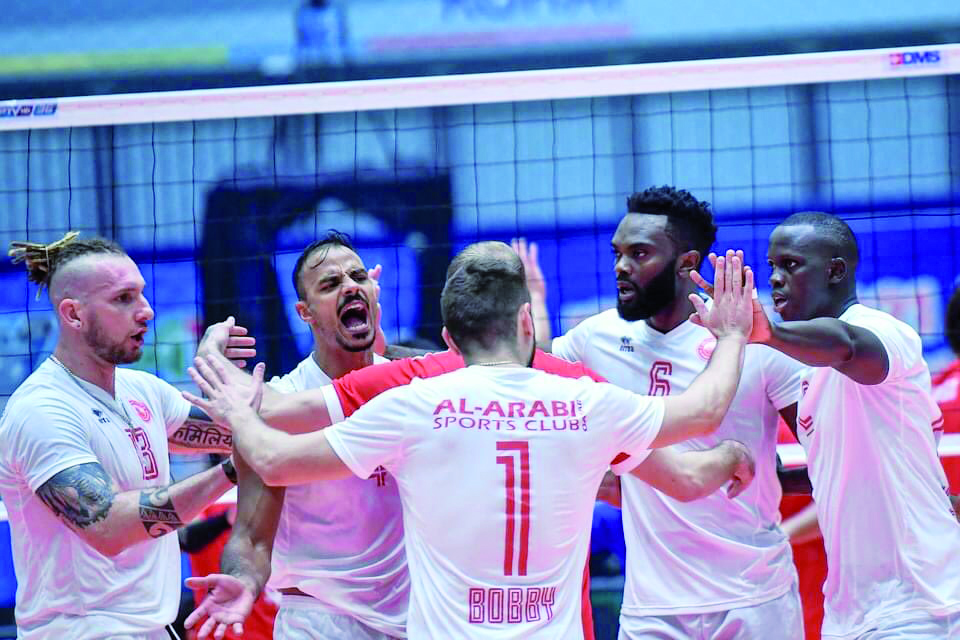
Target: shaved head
[(833, 236), (83, 276)]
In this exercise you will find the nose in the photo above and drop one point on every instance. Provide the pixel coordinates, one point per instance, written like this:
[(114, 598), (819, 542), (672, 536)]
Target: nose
[(776, 278), (145, 312), (622, 266), (350, 286)]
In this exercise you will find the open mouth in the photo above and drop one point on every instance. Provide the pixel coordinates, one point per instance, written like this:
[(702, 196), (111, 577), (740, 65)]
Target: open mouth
[(355, 317), (139, 337), (779, 301), (625, 291)]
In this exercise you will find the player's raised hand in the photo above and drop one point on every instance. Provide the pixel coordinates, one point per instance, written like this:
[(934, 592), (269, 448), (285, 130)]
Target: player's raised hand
[(529, 256), (743, 472), (761, 322), (224, 393), (732, 311), (227, 604), (229, 339)]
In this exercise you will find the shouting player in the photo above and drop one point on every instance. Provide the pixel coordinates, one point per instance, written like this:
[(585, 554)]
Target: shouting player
[(523, 450), (337, 547)]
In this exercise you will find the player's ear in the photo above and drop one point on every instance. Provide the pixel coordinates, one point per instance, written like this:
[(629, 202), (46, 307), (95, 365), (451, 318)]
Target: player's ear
[(837, 271), (69, 313), (687, 262), (448, 339), (525, 324), (304, 311)]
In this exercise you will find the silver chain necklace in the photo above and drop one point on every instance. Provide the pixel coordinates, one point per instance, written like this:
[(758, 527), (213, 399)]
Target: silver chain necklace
[(115, 408), (496, 364)]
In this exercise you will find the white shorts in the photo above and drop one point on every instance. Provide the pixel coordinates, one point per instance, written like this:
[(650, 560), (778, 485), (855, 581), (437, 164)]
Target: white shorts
[(165, 633), (922, 629), (781, 618), (299, 621)]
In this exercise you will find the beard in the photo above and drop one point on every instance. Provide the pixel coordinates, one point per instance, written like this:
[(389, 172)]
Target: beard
[(112, 352), (356, 348), (653, 298)]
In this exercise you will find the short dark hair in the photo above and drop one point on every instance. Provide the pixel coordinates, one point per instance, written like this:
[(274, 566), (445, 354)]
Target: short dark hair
[(952, 329), (689, 221), (44, 260), (486, 285), (832, 229), (332, 238)]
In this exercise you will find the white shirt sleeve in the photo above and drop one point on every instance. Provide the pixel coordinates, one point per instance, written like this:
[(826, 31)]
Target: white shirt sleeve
[(173, 405), (635, 420), (902, 344), (282, 385), (373, 435), (46, 439), (782, 376), (572, 345)]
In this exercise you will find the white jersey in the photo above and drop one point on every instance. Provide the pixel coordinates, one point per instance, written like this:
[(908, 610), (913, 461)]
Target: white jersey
[(889, 532), (712, 554), (498, 469), (65, 587), (341, 541)]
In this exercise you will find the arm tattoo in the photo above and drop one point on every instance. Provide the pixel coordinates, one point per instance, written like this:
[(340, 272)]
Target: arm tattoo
[(157, 513), (198, 432), (80, 495)]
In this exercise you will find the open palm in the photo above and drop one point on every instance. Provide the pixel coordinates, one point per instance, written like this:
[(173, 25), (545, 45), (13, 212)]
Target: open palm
[(227, 604)]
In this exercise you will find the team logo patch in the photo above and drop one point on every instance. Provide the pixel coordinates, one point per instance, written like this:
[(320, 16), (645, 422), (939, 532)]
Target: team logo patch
[(705, 350), (625, 345), (142, 410), (99, 416)]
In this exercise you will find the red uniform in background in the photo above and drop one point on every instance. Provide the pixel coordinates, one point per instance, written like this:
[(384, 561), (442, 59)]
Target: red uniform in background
[(259, 624), (946, 391), (810, 557)]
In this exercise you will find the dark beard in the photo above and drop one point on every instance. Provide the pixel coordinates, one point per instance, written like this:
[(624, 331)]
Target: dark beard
[(652, 299), (357, 348), (112, 353)]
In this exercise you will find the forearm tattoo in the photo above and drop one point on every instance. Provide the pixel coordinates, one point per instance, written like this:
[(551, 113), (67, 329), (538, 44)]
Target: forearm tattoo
[(199, 432), (81, 495), (157, 513), (196, 434)]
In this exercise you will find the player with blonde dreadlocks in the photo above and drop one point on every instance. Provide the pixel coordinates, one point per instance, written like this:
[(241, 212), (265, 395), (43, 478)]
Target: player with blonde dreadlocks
[(84, 470)]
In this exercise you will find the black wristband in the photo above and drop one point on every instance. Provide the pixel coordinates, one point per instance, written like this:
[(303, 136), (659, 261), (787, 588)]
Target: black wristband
[(229, 470)]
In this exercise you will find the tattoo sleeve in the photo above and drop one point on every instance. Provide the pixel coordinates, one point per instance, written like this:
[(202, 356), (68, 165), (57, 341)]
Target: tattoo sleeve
[(81, 495), (157, 513)]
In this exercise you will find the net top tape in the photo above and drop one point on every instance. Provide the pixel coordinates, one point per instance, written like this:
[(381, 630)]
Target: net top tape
[(481, 88)]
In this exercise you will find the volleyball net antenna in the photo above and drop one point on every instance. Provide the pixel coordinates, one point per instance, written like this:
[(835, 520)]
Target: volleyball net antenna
[(214, 193)]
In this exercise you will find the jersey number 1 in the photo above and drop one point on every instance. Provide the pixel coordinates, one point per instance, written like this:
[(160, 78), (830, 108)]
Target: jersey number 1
[(512, 453)]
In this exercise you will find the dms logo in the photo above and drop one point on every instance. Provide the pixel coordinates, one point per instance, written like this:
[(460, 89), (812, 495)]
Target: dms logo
[(915, 58)]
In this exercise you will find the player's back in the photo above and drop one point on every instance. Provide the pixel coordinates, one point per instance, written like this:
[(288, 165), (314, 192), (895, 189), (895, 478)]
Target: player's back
[(497, 469)]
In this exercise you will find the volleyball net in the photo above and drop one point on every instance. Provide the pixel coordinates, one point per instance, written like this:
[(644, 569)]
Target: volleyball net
[(215, 193)]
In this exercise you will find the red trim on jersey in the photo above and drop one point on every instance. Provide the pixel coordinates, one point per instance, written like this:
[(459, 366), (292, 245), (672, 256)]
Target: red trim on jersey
[(361, 385)]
